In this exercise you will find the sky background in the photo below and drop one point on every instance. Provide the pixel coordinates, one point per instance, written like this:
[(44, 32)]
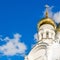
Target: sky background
[(18, 25)]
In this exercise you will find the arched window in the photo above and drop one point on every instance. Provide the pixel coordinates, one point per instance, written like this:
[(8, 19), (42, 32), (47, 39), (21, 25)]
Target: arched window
[(42, 35), (47, 34)]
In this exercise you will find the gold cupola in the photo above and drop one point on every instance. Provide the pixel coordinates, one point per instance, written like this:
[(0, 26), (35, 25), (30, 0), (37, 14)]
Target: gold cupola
[(46, 20)]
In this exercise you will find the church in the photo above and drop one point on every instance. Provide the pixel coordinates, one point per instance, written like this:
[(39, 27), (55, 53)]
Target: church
[(48, 45)]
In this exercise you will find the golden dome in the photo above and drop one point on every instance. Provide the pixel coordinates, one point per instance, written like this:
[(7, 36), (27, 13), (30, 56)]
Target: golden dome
[(46, 21)]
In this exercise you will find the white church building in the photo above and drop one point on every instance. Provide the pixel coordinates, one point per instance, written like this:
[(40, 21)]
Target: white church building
[(48, 45)]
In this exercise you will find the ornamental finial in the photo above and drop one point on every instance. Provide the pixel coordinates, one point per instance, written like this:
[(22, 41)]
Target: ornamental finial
[(46, 11)]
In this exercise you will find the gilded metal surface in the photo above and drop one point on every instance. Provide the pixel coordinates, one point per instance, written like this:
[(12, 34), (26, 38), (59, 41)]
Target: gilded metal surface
[(46, 14), (58, 29), (46, 21)]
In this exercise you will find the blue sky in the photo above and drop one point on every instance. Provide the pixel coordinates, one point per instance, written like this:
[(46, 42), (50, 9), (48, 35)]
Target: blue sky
[(18, 24)]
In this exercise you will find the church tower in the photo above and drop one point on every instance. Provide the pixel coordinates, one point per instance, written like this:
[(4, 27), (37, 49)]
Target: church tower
[(48, 37), (46, 29)]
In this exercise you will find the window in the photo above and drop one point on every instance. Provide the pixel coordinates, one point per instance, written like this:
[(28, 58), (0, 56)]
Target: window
[(47, 34), (42, 35)]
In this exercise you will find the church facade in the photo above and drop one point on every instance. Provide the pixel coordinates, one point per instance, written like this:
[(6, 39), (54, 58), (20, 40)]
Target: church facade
[(48, 45)]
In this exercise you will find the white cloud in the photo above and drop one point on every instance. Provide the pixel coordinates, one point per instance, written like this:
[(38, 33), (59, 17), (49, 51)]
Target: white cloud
[(56, 17), (13, 46)]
